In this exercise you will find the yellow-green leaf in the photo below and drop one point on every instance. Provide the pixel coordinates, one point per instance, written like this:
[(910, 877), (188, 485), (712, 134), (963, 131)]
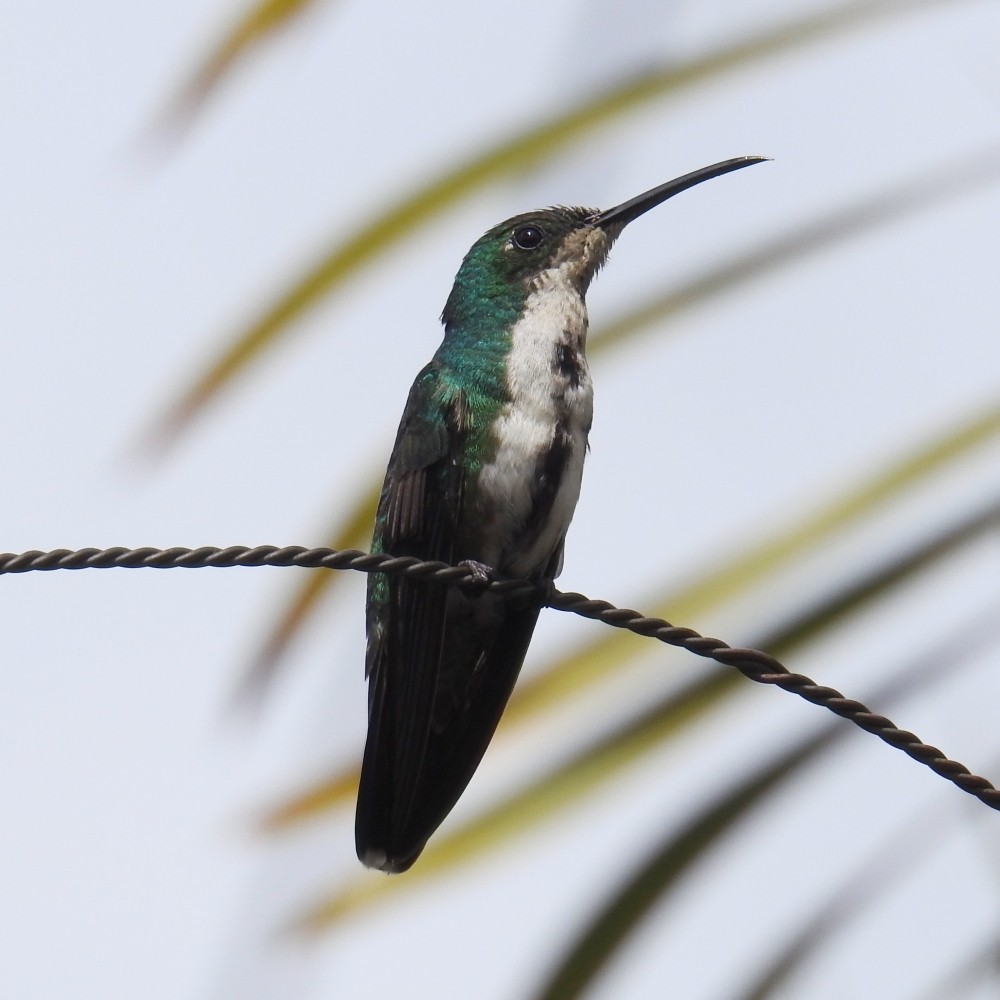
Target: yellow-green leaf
[(259, 23), (527, 149), (352, 532), (655, 877)]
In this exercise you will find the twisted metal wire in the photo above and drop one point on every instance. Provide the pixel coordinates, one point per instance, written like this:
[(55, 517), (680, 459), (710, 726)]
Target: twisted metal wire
[(752, 663)]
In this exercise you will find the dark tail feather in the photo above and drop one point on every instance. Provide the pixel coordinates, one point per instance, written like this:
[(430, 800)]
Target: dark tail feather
[(394, 819)]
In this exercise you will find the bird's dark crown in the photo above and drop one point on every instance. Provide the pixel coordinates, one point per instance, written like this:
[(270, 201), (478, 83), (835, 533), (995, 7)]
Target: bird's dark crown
[(499, 267)]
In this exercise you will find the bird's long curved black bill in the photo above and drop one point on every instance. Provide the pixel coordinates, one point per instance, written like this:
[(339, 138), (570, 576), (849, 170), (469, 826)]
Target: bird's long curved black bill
[(622, 215)]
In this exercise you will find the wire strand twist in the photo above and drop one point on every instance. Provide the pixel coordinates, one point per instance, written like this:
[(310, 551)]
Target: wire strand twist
[(752, 663)]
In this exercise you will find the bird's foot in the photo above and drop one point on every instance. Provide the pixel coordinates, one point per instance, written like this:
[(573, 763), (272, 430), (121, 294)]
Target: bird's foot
[(481, 576)]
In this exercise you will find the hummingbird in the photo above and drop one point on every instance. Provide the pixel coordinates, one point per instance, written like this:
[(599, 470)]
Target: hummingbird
[(486, 472)]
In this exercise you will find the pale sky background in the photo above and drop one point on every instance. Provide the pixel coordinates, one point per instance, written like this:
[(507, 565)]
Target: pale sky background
[(128, 865)]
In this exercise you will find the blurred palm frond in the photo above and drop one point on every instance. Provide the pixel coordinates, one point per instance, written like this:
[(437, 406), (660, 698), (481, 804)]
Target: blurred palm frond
[(529, 149)]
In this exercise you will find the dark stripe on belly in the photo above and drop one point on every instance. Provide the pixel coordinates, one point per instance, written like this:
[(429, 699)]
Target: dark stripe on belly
[(549, 470), (566, 364)]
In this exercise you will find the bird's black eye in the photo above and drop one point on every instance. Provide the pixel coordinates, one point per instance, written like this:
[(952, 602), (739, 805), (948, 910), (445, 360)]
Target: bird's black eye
[(528, 237)]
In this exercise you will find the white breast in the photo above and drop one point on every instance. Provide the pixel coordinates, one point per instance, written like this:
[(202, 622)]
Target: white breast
[(544, 400)]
